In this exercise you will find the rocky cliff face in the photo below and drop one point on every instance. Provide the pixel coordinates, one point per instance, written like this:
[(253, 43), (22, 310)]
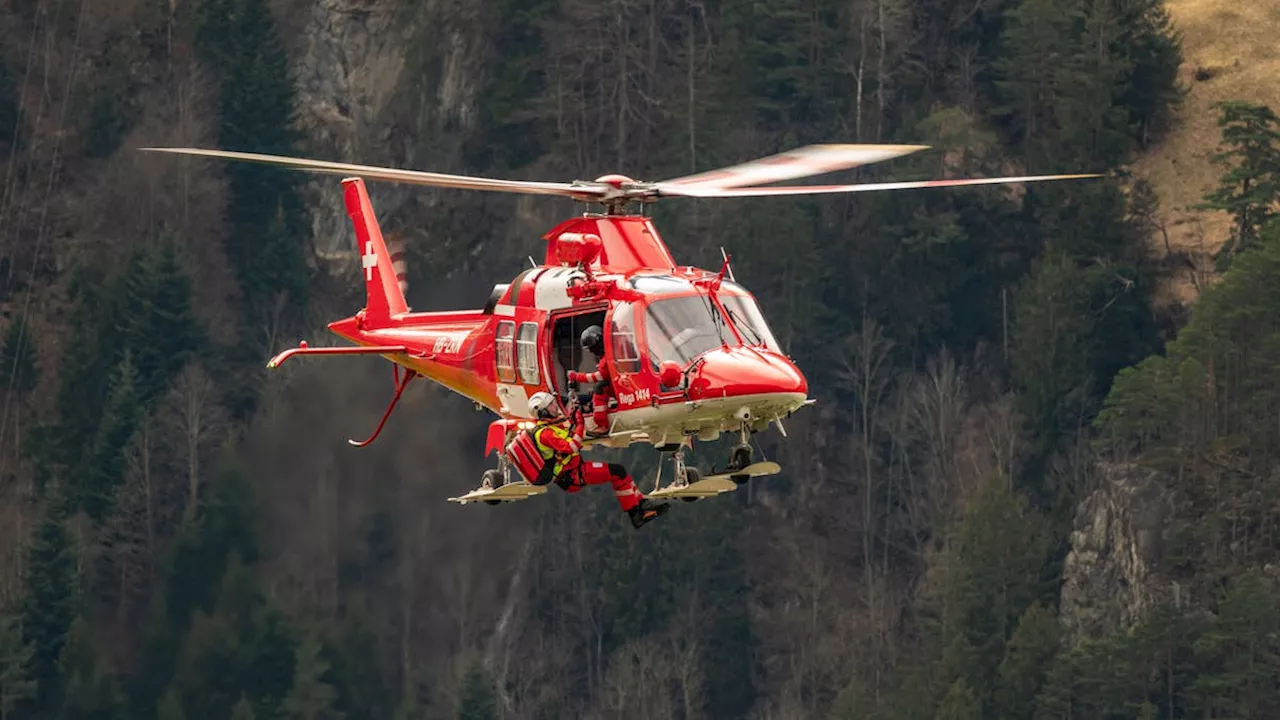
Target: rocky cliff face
[(381, 82), (1111, 576)]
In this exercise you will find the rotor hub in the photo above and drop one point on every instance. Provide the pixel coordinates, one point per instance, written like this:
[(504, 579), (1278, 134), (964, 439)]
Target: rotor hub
[(615, 181)]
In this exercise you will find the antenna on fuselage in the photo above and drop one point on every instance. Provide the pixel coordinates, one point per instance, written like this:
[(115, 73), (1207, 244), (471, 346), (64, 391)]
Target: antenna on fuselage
[(727, 266)]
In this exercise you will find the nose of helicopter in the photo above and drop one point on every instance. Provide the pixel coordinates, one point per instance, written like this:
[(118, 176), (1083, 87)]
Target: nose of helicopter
[(743, 372)]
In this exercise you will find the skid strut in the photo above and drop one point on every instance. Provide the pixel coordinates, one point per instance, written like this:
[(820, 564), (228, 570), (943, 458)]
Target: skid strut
[(401, 384), (690, 485), (741, 454), (687, 485), (681, 478)]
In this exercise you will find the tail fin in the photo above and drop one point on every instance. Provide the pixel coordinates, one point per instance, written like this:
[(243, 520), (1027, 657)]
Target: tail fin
[(385, 298)]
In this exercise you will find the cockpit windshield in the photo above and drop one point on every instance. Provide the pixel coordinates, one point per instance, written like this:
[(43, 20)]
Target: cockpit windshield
[(682, 328), (746, 316)]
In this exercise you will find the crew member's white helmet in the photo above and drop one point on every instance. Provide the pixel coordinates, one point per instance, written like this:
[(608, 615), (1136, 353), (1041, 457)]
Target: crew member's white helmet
[(542, 404)]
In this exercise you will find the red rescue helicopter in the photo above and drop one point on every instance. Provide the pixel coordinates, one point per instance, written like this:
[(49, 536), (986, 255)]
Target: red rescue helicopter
[(689, 350)]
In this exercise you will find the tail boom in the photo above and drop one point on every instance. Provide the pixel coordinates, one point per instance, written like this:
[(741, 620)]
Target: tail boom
[(453, 349)]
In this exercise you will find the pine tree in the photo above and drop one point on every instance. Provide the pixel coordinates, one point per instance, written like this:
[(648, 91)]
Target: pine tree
[(170, 706), (1028, 657), (987, 580), (49, 606), (210, 667), (311, 697), (510, 136), (1052, 324), (1037, 43), (267, 229), (86, 364), (204, 567), (18, 358), (16, 684), (1215, 382), (1095, 127), (271, 645), (960, 703), (102, 474), (1239, 654), (158, 644), (243, 710), (91, 692), (477, 698), (1250, 189), (215, 30), (10, 111), (1150, 92), (357, 670), (1085, 80), (781, 54), (160, 330)]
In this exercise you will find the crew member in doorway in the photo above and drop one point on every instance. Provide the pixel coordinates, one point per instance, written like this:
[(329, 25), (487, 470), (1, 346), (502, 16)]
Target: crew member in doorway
[(593, 342)]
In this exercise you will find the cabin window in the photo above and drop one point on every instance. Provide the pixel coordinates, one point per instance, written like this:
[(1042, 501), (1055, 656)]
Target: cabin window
[(527, 353), (622, 331), (505, 351)]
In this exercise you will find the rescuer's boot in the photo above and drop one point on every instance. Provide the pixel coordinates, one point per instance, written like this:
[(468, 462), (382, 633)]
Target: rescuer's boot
[(645, 511), (594, 428)]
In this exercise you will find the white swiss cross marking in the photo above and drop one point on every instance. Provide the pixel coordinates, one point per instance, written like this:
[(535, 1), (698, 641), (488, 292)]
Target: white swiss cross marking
[(369, 260)]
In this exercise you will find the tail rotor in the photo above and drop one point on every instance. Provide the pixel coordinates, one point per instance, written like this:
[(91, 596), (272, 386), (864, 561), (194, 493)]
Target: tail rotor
[(395, 246)]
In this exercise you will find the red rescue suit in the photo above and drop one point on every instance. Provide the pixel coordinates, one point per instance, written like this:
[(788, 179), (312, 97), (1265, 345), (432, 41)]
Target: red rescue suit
[(599, 398), (574, 474)]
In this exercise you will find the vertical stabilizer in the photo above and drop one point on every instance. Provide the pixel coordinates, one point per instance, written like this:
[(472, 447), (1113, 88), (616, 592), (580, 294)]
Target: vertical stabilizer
[(384, 296)]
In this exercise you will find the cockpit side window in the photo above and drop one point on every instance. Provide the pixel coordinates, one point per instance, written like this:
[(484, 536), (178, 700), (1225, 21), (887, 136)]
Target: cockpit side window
[(745, 315), (622, 334)]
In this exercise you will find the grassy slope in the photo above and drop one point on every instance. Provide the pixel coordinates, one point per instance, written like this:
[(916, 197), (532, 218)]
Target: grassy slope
[(1236, 44)]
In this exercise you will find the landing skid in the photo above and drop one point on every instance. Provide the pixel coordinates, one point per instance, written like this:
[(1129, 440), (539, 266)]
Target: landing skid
[(712, 485), (511, 492), (496, 487)]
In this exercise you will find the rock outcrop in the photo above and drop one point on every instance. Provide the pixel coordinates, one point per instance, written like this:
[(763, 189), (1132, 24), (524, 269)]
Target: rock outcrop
[(381, 82), (1111, 577)]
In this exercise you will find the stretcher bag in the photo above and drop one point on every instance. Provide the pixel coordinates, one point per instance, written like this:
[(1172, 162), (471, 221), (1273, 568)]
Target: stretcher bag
[(522, 453)]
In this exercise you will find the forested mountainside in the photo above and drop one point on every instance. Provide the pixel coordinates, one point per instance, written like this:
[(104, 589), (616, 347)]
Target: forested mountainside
[(1027, 490)]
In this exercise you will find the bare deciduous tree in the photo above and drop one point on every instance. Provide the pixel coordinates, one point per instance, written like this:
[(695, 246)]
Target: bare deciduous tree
[(936, 407), (200, 419)]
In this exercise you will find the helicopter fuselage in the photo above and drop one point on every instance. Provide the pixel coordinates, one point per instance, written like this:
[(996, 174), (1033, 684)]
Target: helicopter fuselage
[(688, 351)]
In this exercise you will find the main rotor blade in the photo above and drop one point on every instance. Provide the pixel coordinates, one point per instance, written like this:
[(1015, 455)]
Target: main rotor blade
[(417, 177), (801, 162), (715, 192)]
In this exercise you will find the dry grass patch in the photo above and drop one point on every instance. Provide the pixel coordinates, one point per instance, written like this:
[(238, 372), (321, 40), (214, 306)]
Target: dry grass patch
[(1231, 51)]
